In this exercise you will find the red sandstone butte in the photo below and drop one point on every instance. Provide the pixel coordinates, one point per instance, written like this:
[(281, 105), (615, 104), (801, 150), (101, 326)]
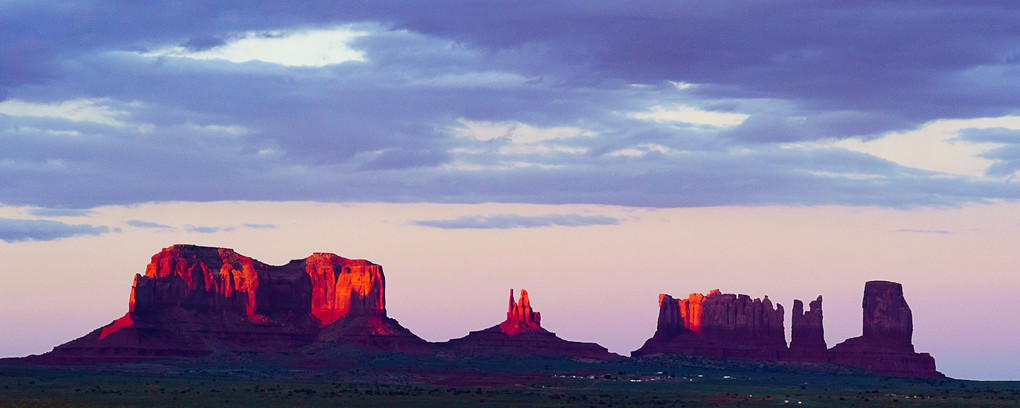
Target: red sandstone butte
[(718, 325), (193, 300), (522, 335), (885, 345)]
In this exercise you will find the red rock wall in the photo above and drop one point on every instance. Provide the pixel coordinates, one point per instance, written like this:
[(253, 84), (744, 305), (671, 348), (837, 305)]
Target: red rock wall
[(343, 286), (198, 278)]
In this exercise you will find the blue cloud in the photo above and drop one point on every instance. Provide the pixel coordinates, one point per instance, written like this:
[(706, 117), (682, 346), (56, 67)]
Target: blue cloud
[(146, 224), (924, 231), (389, 128), (260, 226), (1005, 156), (208, 230), (59, 212), (19, 230), (990, 135), (508, 221)]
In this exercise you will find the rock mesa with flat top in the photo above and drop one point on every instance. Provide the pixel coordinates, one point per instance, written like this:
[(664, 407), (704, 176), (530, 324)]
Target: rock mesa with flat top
[(194, 300)]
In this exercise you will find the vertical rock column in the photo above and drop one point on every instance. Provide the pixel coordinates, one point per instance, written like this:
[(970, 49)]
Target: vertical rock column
[(807, 336), (885, 343)]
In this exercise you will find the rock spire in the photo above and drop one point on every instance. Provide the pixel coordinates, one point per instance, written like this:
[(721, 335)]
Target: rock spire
[(520, 317), (885, 345)]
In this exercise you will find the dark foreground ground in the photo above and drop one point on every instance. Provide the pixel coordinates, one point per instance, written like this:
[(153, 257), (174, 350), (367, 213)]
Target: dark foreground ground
[(389, 381)]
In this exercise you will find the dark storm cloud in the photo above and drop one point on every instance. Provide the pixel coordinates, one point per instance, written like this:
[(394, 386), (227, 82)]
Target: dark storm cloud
[(18, 230), (508, 221), (387, 128)]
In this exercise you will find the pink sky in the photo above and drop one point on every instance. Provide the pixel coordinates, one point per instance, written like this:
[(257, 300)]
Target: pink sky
[(596, 283)]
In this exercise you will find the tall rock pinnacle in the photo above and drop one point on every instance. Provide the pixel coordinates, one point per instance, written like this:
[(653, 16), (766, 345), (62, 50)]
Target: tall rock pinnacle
[(520, 317), (885, 344), (887, 317), (807, 335)]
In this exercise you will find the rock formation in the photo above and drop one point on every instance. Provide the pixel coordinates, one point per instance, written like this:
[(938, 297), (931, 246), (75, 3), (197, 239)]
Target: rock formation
[(522, 335), (885, 345), (520, 317), (193, 300), (718, 325), (735, 327), (807, 336)]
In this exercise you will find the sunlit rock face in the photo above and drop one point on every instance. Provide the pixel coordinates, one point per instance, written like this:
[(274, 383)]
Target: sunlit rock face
[(203, 279), (342, 287), (718, 325), (193, 300), (520, 317), (885, 345), (522, 335), (807, 336)]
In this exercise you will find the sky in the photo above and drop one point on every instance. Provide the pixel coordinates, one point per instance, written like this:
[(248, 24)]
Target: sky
[(595, 153)]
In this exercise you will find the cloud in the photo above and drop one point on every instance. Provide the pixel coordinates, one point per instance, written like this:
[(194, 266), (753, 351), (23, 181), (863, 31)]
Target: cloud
[(79, 110), (207, 230), (968, 147), (1002, 148), (312, 48), (924, 231), (59, 212), (260, 226), (648, 104), (508, 221), (19, 230), (999, 135), (146, 224)]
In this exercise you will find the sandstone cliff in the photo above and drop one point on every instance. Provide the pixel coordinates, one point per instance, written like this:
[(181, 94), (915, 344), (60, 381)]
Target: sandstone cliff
[(718, 325), (522, 335), (193, 300)]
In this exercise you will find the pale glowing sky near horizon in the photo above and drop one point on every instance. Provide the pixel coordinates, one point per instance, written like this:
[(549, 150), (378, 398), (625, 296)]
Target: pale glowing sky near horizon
[(594, 153)]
